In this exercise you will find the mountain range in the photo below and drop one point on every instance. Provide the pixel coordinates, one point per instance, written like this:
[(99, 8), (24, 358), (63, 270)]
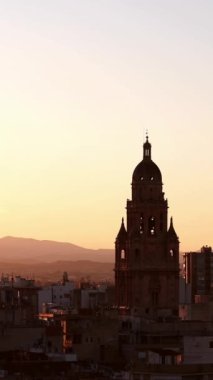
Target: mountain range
[(35, 251)]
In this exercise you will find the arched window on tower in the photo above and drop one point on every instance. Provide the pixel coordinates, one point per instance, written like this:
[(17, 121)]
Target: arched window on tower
[(123, 254), (171, 252), (152, 226), (141, 224), (147, 152)]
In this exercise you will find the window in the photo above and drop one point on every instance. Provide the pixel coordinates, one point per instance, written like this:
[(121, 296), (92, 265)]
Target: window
[(141, 224), (171, 252), (152, 230), (123, 254), (147, 152)]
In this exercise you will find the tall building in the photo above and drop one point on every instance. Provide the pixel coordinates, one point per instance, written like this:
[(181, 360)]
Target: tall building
[(146, 251), (199, 274)]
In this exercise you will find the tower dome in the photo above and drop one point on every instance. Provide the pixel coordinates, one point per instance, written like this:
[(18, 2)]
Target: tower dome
[(147, 170)]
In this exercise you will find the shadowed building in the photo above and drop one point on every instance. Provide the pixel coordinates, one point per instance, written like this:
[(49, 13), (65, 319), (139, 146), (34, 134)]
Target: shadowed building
[(147, 252), (199, 274)]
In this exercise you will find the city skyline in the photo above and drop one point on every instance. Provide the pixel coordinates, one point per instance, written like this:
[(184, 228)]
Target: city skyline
[(81, 82)]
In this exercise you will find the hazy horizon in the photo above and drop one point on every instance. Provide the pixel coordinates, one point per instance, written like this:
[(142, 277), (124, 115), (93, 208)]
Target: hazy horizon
[(81, 81)]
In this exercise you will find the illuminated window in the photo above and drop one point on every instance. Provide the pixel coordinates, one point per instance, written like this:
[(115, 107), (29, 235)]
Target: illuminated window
[(171, 252), (123, 254), (151, 226)]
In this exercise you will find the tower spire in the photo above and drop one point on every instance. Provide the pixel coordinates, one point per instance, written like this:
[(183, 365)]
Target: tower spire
[(147, 148), (171, 230), (122, 232)]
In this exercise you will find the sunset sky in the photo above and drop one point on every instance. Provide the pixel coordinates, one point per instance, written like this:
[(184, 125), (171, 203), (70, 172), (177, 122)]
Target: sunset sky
[(81, 81)]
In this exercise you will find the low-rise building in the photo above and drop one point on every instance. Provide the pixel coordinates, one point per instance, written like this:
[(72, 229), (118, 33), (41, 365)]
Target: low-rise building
[(60, 294)]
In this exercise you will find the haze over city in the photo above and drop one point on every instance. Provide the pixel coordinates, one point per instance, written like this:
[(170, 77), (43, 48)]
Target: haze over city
[(81, 82)]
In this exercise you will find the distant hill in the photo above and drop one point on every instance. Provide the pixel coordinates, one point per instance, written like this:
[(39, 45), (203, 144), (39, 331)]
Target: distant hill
[(53, 272), (22, 250)]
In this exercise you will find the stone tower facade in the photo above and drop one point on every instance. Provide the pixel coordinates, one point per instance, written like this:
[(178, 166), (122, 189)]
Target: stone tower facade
[(146, 251)]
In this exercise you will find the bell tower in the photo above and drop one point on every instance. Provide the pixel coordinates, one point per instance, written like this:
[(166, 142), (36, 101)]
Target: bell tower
[(146, 251)]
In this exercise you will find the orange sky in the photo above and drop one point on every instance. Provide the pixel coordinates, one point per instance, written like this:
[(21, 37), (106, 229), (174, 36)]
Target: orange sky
[(81, 81)]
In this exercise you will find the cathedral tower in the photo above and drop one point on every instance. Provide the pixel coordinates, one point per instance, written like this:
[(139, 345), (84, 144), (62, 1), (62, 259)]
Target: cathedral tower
[(146, 252)]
